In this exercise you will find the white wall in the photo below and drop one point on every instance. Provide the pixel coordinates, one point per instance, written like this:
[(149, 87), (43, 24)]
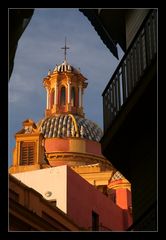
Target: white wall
[(52, 179)]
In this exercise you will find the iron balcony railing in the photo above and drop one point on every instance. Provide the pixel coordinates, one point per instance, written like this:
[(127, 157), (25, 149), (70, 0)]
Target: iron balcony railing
[(136, 60)]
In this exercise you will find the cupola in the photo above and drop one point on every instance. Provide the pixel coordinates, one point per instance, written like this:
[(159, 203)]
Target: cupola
[(64, 89)]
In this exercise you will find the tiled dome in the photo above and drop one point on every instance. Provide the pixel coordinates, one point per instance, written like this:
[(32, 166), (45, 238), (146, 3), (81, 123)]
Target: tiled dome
[(117, 176), (68, 125)]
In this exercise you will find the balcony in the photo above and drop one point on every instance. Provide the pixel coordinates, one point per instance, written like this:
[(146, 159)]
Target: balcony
[(130, 122), (130, 71)]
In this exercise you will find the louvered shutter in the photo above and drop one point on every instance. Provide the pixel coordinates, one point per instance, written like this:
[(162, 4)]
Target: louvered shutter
[(27, 153)]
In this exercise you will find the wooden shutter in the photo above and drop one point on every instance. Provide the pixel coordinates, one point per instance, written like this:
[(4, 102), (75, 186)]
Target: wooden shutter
[(27, 153)]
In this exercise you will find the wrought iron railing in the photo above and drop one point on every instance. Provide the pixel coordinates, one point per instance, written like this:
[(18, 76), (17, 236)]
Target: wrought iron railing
[(136, 60)]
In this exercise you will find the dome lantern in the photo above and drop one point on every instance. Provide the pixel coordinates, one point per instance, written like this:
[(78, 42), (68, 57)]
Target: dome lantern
[(64, 87)]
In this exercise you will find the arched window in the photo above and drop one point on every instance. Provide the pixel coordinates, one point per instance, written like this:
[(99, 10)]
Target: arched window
[(73, 97), (63, 96), (52, 98)]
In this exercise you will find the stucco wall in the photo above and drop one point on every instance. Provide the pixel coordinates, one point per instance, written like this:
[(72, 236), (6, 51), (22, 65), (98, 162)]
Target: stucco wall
[(83, 198), (72, 145), (123, 198), (56, 144), (76, 197), (48, 180)]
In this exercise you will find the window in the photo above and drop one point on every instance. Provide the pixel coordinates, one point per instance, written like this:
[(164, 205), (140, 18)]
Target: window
[(27, 153), (63, 96), (52, 98), (73, 97), (95, 221)]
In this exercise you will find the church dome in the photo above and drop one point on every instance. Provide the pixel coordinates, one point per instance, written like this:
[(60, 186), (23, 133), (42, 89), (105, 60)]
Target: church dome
[(65, 67), (69, 125)]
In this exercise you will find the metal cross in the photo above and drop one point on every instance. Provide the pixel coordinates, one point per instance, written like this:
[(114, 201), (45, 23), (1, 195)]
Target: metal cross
[(65, 48)]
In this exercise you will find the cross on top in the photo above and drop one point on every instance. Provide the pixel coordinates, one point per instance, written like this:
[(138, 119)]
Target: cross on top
[(65, 48)]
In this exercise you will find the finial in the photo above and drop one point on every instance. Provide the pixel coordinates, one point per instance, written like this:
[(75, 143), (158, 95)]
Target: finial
[(65, 48)]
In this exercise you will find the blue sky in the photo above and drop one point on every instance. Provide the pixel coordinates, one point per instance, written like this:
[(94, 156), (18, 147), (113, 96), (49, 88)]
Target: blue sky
[(39, 50)]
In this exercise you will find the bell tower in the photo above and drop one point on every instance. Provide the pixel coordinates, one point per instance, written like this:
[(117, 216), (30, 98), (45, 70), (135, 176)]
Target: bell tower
[(64, 89)]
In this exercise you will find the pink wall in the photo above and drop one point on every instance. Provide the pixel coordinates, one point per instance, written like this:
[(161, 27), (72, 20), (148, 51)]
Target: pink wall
[(82, 198), (53, 145), (93, 147), (63, 145)]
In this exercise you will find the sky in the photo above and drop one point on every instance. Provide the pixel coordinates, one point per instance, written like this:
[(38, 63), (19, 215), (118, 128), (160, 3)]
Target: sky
[(39, 49)]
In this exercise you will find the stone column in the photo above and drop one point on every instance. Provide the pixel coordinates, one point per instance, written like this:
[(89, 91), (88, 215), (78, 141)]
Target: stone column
[(48, 99), (68, 83), (18, 154), (80, 95)]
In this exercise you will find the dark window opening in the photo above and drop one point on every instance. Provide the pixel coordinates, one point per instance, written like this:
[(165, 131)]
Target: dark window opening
[(52, 98), (95, 221), (73, 97), (63, 96)]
